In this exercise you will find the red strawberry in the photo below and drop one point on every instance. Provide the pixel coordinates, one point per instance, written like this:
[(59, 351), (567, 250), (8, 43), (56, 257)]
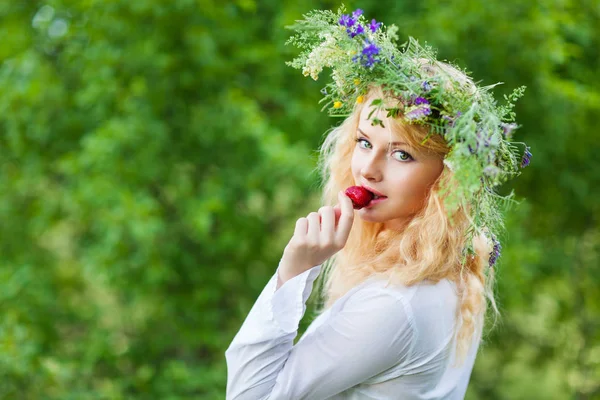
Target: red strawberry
[(359, 195)]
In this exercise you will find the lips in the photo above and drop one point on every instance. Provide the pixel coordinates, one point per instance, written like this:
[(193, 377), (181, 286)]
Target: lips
[(376, 201), (376, 194)]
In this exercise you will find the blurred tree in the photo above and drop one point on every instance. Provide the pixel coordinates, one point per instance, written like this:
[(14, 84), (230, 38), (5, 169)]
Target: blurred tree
[(155, 155), (142, 185)]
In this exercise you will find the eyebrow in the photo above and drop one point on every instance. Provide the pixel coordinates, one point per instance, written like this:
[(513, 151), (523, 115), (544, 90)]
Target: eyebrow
[(392, 143)]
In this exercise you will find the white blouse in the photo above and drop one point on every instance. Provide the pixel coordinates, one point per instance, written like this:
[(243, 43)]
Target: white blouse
[(375, 342)]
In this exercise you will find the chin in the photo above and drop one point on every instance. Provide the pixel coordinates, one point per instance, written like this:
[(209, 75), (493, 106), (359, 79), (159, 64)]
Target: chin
[(370, 215)]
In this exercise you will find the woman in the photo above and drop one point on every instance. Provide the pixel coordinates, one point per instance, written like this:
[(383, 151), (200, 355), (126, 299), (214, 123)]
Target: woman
[(406, 277)]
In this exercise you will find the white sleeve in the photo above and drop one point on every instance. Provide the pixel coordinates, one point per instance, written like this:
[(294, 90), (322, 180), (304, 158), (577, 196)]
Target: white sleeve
[(373, 332)]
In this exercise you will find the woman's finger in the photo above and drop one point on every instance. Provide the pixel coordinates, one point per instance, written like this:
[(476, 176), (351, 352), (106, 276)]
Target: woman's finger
[(301, 227), (346, 218), (327, 223), (338, 212), (314, 228)]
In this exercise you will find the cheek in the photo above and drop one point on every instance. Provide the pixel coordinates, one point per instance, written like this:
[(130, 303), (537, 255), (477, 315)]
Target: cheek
[(414, 184), (355, 164), (424, 182)]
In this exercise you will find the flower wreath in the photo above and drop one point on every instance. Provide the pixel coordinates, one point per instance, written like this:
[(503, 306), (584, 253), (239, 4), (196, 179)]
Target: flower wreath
[(479, 132)]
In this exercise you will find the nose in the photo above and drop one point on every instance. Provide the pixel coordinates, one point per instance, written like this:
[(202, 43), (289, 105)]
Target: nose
[(371, 169)]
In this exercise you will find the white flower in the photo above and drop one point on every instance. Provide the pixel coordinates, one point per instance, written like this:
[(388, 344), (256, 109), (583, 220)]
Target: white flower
[(322, 56), (449, 164)]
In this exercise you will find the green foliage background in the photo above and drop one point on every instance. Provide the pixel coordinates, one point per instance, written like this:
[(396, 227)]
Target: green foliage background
[(155, 155)]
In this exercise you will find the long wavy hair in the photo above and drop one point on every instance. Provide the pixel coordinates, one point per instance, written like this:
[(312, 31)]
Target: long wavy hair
[(429, 247)]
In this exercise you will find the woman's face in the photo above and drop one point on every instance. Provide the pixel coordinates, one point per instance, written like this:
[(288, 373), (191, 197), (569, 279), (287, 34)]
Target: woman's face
[(396, 171)]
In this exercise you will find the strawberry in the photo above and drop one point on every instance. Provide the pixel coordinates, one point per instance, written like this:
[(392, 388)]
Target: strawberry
[(359, 195)]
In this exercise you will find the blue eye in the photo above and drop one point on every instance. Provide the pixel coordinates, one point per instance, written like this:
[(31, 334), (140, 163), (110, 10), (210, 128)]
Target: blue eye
[(404, 156), (359, 141)]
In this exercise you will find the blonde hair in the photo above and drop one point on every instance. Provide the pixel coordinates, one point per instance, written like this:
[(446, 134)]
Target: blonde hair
[(429, 247)]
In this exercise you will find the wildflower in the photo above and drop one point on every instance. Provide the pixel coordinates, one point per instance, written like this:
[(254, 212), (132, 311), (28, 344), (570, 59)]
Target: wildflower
[(426, 86), (337, 104), (360, 99), (495, 254), (418, 112), (368, 54), (420, 100), (449, 164), (374, 25), (357, 13), (507, 129), (357, 82), (419, 109), (347, 21), (451, 120), (526, 157), (358, 30)]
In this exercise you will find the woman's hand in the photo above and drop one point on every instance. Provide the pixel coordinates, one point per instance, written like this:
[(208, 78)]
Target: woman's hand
[(316, 238)]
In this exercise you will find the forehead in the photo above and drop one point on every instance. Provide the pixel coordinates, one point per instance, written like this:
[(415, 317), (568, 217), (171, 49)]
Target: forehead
[(388, 131), (394, 132)]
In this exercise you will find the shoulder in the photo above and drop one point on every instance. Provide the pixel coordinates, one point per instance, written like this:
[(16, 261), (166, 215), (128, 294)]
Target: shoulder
[(377, 319), (433, 307), (409, 306), (421, 296), (381, 305), (421, 306)]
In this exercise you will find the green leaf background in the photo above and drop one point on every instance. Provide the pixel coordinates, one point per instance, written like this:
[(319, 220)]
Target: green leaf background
[(154, 157)]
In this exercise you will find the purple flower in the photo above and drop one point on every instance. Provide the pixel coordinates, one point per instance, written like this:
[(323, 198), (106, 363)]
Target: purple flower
[(374, 25), (358, 30), (526, 157), (367, 57), (418, 113), (426, 86), (357, 13), (419, 110), (495, 254), (347, 21), (449, 119), (420, 100), (370, 49)]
